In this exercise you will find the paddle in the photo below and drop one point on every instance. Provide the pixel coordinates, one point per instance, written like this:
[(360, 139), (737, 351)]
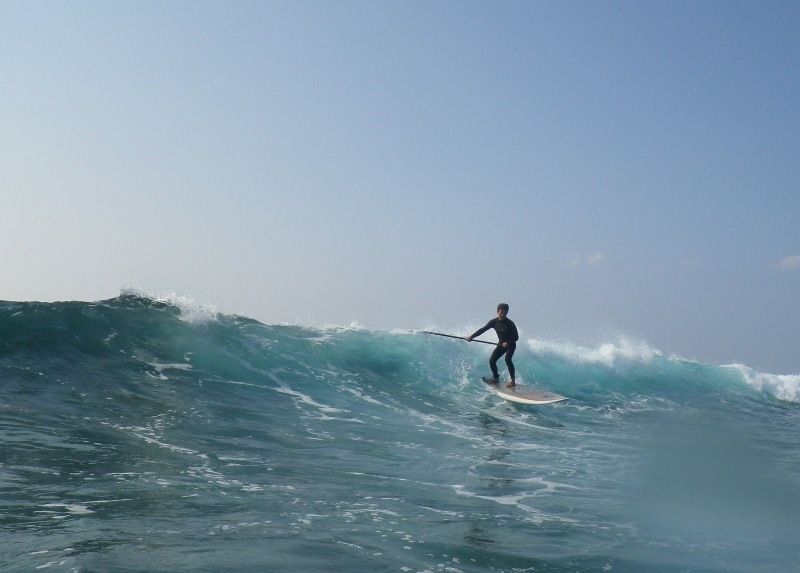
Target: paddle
[(459, 337)]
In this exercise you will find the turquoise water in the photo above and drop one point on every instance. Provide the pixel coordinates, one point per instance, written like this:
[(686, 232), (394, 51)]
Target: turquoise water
[(140, 436)]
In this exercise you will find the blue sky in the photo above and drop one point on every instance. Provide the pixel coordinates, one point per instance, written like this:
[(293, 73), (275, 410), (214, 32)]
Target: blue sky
[(607, 168)]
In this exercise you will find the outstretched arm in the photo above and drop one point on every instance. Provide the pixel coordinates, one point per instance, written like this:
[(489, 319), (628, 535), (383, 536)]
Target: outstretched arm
[(479, 331)]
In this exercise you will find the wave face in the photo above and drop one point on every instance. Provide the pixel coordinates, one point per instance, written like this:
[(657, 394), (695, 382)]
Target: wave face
[(139, 436)]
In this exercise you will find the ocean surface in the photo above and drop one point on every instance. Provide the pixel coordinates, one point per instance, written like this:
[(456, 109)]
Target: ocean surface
[(145, 435)]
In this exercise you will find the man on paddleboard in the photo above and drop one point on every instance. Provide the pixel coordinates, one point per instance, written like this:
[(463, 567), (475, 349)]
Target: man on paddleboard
[(507, 337)]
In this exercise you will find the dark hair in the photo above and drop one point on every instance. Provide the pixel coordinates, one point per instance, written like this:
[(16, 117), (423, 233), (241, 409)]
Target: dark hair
[(503, 305)]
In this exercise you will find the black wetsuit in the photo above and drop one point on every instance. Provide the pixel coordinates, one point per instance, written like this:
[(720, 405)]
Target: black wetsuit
[(506, 332)]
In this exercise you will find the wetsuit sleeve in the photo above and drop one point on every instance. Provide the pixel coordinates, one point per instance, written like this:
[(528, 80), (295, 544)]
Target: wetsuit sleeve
[(514, 333), (480, 331)]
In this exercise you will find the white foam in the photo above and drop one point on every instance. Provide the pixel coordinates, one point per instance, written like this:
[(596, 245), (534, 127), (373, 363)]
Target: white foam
[(150, 436), (306, 399), (51, 564), (536, 515), (191, 310), (782, 386), (607, 354), (362, 396), (72, 508), (299, 398), (161, 367)]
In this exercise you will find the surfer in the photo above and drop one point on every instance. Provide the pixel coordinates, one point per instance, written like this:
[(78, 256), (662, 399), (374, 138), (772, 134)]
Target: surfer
[(507, 337)]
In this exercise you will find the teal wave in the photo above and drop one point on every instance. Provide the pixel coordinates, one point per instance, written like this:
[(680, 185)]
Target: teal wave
[(140, 436)]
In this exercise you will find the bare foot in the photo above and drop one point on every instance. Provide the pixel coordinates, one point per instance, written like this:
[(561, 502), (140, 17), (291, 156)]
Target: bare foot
[(511, 384)]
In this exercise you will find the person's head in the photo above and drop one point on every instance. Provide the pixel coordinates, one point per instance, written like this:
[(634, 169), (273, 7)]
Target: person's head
[(502, 310)]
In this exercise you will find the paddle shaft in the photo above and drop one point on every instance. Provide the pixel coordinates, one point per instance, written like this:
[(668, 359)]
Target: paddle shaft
[(459, 337)]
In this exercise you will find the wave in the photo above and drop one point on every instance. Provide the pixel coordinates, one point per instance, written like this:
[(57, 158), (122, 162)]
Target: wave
[(166, 334), (153, 426), (783, 386)]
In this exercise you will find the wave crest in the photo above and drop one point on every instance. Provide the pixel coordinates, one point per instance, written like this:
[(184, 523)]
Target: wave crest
[(607, 354), (190, 310), (782, 386)]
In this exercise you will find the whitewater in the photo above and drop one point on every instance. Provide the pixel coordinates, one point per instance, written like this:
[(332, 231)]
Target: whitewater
[(142, 435)]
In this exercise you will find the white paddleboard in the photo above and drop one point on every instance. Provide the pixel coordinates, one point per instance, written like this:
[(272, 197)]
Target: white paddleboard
[(523, 394)]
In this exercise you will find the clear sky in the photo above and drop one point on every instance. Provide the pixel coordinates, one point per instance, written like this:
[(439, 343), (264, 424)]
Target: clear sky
[(607, 168)]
